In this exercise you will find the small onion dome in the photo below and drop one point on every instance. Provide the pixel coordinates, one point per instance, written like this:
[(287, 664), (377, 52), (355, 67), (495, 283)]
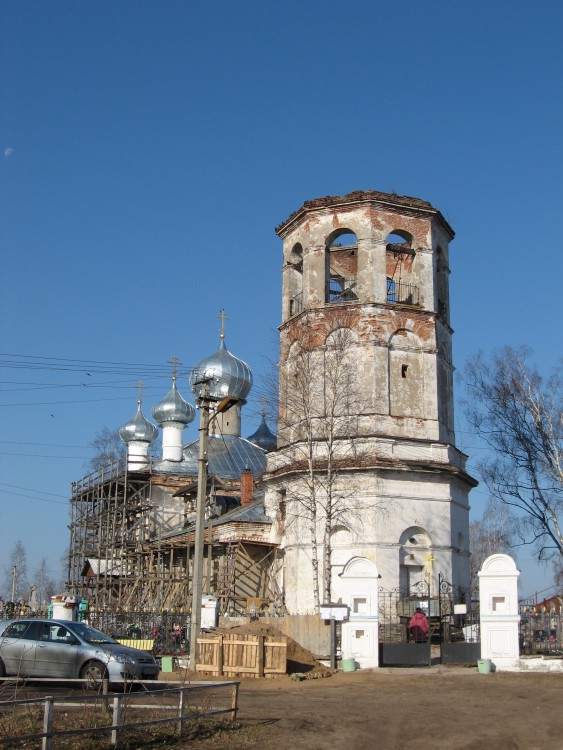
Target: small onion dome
[(173, 408), (138, 429), (263, 437), (228, 375)]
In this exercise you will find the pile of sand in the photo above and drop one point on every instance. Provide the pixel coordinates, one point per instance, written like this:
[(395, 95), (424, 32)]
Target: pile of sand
[(299, 659)]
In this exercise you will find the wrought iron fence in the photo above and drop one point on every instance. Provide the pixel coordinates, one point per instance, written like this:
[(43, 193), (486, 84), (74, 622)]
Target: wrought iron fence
[(296, 304), (341, 289), (459, 613), (459, 624), (397, 607), (169, 630), (402, 292), (449, 628), (399, 643), (540, 630)]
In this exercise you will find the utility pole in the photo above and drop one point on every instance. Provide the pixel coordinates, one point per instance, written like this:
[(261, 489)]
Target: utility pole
[(14, 582), (197, 579), (204, 400)]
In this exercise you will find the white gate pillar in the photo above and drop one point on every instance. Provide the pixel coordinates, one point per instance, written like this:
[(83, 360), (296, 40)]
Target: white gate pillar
[(498, 599), (360, 637)]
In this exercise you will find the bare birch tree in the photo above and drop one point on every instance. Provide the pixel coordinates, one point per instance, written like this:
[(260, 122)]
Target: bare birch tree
[(495, 531), (44, 583), (519, 415), (319, 407)]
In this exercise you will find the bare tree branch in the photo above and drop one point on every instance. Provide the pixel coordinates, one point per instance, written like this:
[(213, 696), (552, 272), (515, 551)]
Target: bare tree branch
[(520, 417), (320, 400)]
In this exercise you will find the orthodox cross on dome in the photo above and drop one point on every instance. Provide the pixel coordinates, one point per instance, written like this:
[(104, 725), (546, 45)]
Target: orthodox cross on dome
[(139, 388), (174, 362), (223, 316), (264, 401)]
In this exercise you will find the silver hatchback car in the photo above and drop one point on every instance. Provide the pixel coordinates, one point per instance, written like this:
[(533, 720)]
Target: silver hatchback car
[(61, 649)]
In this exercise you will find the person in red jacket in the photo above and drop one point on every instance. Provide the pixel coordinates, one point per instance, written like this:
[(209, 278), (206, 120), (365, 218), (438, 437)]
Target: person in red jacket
[(418, 626)]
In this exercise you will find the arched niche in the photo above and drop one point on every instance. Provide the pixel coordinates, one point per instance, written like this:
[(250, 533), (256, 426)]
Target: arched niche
[(360, 567), (340, 535), (341, 337), (414, 552)]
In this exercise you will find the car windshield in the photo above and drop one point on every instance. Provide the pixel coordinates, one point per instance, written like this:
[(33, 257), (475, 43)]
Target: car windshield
[(90, 635)]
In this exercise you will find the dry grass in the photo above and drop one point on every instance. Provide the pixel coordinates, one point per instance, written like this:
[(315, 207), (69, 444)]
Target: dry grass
[(24, 719)]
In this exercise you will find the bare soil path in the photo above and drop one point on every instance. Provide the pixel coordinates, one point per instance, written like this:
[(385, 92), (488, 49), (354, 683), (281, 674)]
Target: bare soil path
[(414, 709)]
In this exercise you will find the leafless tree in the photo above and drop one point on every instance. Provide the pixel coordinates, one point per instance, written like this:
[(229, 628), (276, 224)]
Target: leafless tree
[(44, 583), (107, 447), (18, 559), (519, 415), (319, 408), (495, 531)]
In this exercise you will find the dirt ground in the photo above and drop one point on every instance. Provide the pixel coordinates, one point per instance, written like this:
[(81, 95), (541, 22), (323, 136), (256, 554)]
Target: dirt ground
[(400, 709)]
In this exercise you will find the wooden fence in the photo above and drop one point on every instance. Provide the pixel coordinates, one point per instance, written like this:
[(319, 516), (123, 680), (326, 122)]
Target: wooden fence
[(237, 654), (195, 701)]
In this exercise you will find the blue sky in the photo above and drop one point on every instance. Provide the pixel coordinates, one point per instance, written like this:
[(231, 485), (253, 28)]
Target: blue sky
[(148, 150)]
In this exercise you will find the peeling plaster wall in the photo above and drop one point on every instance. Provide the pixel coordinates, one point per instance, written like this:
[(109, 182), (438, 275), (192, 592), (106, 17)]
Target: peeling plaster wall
[(408, 473)]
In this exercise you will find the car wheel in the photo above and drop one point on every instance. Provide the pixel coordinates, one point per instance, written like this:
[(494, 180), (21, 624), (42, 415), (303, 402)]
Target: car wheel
[(95, 673), (2, 669)]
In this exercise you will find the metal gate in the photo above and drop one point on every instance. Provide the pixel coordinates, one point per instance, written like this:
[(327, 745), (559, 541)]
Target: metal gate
[(459, 626), (453, 626), (397, 647)]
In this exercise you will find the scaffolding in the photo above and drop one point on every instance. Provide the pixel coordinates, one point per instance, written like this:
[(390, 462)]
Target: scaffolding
[(119, 557)]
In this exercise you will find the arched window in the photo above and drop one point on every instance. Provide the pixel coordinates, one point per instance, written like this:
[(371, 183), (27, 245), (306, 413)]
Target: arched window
[(341, 266), (401, 286)]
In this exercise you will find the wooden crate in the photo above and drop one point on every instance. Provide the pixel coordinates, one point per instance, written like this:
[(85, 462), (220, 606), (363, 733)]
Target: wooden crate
[(241, 654)]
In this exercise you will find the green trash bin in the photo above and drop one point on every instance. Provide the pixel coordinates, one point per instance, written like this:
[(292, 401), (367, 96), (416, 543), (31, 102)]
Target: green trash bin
[(484, 666), (348, 665), (167, 663)]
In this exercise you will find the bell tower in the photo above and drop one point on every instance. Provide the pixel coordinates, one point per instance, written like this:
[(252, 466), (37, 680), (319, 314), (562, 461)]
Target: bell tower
[(365, 285)]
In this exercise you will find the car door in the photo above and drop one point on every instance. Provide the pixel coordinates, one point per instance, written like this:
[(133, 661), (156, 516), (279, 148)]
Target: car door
[(57, 652), (18, 647)]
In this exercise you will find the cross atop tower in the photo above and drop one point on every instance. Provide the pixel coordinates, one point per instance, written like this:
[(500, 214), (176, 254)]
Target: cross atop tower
[(223, 316), (139, 387), (174, 362)]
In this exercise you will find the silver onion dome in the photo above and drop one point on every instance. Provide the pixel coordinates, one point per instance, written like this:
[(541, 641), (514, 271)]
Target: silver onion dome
[(173, 408), (138, 429), (227, 375)]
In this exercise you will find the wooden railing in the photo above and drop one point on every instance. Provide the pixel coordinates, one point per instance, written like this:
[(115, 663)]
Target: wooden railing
[(195, 701)]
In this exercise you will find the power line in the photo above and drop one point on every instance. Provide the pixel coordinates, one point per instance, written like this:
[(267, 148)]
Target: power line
[(38, 499), (77, 401), (29, 489), (42, 455)]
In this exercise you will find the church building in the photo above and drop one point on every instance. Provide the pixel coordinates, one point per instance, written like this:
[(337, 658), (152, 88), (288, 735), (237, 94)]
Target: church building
[(364, 474)]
